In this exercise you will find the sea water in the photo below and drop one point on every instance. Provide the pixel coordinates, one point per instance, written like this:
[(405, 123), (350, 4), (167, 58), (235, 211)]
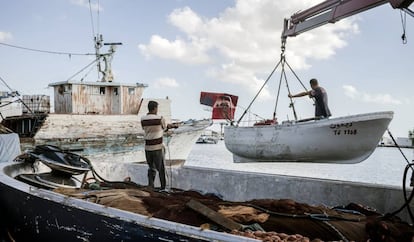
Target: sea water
[(385, 165)]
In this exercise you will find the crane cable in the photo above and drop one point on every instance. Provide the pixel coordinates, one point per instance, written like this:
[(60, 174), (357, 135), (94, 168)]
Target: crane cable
[(404, 25), (257, 94)]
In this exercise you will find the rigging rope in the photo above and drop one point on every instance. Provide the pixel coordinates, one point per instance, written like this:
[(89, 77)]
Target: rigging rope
[(291, 105), (18, 95), (399, 148), (169, 159), (264, 84), (44, 51), (301, 83), (297, 77), (5, 83), (87, 73), (92, 24), (250, 112), (278, 89), (98, 20), (93, 62), (282, 74), (407, 199)]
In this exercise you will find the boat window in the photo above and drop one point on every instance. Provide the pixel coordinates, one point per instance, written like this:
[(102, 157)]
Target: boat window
[(61, 89), (94, 90), (131, 90), (102, 90), (115, 91)]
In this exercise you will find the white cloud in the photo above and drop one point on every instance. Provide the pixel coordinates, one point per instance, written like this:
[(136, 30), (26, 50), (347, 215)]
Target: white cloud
[(186, 20), (85, 3), (240, 76), (242, 43), (379, 98), (5, 36), (350, 91), (166, 82), (407, 101), (177, 50)]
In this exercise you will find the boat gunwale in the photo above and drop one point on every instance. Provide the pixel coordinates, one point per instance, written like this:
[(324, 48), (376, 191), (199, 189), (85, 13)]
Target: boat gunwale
[(321, 122)]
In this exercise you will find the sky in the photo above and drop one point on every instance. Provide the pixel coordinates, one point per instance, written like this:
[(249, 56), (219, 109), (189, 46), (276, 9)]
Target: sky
[(182, 47)]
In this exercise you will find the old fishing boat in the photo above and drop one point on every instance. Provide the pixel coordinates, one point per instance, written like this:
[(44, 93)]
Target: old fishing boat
[(349, 139), (99, 119)]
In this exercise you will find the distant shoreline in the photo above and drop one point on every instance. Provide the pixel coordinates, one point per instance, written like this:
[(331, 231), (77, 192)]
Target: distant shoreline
[(394, 146)]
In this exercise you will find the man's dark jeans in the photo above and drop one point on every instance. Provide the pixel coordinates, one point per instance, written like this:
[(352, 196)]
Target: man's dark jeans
[(155, 160)]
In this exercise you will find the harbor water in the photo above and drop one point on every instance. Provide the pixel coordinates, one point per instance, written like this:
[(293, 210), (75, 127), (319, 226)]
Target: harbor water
[(385, 165)]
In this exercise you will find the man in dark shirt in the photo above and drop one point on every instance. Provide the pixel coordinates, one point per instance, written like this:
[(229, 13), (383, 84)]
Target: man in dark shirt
[(321, 99)]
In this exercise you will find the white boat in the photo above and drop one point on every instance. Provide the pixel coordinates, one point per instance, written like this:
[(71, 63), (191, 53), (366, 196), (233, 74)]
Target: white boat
[(348, 140), (99, 119), (206, 139)]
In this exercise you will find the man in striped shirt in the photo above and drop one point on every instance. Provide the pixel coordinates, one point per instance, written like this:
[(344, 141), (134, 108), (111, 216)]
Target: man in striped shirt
[(154, 126)]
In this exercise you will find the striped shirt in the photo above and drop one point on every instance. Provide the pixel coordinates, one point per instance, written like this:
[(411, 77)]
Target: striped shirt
[(153, 126)]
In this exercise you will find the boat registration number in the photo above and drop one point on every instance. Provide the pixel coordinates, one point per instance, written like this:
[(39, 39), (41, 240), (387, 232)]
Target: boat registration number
[(343, 129), (345, 132)]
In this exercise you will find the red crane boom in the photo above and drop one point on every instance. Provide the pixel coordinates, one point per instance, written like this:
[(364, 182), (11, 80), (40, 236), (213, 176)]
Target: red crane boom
[(331, 11)]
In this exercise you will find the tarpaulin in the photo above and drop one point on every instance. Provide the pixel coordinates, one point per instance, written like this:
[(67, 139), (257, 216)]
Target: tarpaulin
[(224, 105), (9, 147)]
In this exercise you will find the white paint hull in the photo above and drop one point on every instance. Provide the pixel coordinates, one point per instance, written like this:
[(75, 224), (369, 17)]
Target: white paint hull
[(113, 138), (178, 146), (349, 139)]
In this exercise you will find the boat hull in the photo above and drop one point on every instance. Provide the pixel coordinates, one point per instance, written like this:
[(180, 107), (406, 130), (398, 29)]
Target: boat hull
[(109, 138), (34, 214), (348, 140)]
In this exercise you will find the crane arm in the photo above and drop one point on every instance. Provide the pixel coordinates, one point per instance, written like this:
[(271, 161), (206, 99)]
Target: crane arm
[(331, 11)]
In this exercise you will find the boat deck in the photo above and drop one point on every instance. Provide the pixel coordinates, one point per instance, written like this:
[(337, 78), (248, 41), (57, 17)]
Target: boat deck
[(282, 219)]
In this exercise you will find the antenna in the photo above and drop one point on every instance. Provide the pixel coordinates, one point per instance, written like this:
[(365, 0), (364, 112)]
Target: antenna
[(107, 75), (98, 39)]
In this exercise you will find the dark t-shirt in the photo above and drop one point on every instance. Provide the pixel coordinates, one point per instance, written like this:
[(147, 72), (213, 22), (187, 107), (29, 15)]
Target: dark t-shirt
[(321, 102)]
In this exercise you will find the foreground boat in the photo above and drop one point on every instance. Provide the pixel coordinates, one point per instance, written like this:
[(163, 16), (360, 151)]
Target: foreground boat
[(349, 139), (41, 215), (32, 210)]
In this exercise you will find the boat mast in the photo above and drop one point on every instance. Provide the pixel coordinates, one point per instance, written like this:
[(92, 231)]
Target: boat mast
[(106, 58)]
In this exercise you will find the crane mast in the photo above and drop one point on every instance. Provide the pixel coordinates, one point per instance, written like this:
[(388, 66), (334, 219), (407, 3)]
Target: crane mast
[(331, 11)]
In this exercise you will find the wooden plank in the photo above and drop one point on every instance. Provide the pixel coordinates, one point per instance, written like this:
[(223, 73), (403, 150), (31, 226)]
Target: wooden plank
[(213, 215)]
